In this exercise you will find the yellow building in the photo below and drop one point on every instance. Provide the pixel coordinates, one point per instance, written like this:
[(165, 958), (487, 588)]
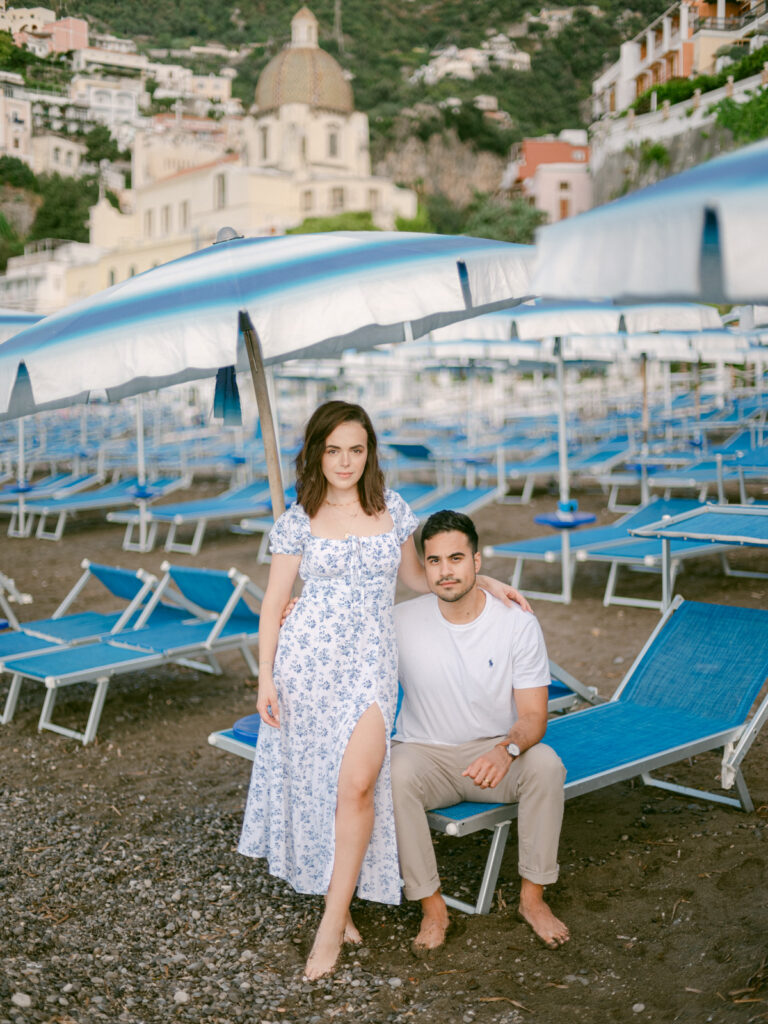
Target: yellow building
[(302, 151)]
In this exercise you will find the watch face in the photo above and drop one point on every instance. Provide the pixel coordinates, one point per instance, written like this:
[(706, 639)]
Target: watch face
[(513, 749)]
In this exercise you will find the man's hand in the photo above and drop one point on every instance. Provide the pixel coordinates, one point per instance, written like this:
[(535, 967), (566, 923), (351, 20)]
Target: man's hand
[(489, 769), (287, 610)]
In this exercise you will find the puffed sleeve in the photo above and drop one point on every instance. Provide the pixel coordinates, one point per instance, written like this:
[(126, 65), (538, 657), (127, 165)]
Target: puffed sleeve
[(405, 521), (288, 535)]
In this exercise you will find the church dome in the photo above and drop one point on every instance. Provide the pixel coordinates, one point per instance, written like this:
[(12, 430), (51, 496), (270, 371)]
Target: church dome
[(303, 73)]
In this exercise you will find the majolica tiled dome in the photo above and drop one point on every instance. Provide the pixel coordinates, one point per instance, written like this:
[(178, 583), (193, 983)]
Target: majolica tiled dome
[(303, 73)]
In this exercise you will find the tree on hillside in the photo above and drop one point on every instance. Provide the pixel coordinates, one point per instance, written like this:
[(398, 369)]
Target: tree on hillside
[(64, 212), (351, 221), (101, 146), (15, 172), (512, 220)]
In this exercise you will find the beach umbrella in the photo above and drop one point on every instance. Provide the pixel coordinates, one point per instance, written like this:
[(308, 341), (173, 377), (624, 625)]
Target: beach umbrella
[(699, 235), (565, 322), (12, 321), (283, 297)]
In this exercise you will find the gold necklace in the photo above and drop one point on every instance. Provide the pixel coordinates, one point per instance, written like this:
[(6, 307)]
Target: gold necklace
[(346, 505)]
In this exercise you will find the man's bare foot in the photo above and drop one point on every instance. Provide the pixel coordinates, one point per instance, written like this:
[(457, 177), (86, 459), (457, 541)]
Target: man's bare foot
[(434, 924), (352, 936), (321, 962), (431, 934), (536, 913)]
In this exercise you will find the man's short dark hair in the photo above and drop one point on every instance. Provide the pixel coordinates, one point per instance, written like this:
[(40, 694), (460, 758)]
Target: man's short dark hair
[(445, 521)]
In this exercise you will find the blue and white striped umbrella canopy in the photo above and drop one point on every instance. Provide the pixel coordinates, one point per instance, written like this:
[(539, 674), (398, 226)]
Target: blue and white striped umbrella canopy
[(700, 235), (545, 318), (13, 320), (304, 294)]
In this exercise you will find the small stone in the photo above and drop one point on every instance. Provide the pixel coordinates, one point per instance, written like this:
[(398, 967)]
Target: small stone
[(394, 982), (23, 1000), (638, 1007), (180, 996)]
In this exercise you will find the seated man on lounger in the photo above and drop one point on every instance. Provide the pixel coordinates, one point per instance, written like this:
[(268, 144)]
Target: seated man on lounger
[(475, 675)]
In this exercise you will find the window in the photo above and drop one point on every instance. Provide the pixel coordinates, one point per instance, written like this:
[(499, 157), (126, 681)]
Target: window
[(373, 199), (112, 276), (306, 201), (131, 271), (56, 154), (165, 220), (219, 192), (333, 143), (264, 143), (564, 186), (337, 198), (184, 214), (148, 226)]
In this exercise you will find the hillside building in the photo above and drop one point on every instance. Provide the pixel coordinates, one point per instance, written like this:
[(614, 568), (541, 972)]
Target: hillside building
[(552, 174), (682, 42), (303, 151)]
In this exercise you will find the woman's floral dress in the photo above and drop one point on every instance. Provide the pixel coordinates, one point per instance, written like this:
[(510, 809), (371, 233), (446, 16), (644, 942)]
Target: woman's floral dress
[(336, 656)]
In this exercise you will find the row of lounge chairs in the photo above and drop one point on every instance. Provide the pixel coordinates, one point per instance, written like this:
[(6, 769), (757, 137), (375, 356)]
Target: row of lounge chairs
[(632, 542), (188, 617)]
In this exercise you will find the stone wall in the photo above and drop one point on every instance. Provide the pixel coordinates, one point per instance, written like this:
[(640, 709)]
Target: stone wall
[(442, 164), (19, 208), (646, 163)]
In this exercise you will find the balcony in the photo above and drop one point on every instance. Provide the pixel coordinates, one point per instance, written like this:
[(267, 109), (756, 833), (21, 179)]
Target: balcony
[(731, 24)]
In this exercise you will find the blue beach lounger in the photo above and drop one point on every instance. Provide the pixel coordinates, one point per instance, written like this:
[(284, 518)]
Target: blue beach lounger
[(232, 504), (549, 549), (112, 495), (217, 619), (690, 690)]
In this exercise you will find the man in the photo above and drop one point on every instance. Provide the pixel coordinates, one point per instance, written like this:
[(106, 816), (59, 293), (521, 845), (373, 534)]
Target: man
[(474, 674)]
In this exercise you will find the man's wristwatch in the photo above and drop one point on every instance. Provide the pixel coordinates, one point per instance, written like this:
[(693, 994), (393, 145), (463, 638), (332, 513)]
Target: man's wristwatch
[(512, 749)]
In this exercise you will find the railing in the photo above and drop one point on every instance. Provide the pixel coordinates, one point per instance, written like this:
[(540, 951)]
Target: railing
[(730, 24)]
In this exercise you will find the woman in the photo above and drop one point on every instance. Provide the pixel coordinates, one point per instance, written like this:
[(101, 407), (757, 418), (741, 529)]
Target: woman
[(319, 806)]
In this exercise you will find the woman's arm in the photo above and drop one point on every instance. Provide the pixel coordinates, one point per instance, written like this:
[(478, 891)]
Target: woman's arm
[(282, 574), (506, 594), (411, 571)]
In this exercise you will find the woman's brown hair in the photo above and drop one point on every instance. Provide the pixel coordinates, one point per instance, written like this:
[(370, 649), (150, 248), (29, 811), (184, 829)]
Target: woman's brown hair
[(311, 485)]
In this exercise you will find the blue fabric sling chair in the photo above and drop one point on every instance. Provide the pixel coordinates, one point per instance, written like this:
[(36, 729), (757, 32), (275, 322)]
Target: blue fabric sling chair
[(690, 690)]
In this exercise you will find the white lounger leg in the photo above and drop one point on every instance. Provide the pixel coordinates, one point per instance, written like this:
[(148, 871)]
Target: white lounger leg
[(129, 544), (11, 699), (191, 548), (94, 715), (490, 875)]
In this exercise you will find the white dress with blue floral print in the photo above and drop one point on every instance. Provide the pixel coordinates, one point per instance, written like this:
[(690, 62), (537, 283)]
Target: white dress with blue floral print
[(336, 656)]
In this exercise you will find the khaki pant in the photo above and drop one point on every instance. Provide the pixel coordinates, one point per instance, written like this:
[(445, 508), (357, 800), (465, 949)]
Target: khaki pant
[(426, 776)]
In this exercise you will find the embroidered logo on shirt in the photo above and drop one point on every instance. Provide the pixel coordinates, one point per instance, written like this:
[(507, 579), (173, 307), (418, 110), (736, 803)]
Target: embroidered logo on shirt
[(490, 662)]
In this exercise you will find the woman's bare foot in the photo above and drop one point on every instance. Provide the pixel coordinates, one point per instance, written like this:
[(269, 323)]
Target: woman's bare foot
[(352, 936), (321, 962), (536, 913)]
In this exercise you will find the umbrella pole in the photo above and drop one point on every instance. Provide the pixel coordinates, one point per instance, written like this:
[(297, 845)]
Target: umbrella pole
[(141, 472), (274, 475), (21, 474), (564, 507), (646, 411)]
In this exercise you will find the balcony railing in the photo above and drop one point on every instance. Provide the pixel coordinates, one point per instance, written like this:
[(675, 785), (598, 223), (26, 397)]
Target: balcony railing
[(732, 24)]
